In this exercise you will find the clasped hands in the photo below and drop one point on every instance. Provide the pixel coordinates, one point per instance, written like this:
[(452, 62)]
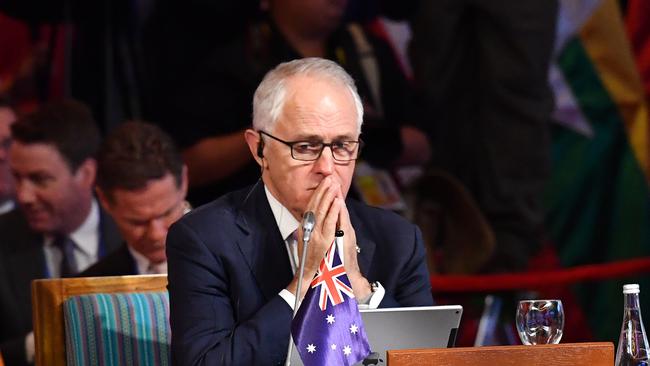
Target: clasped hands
[(330, 210)]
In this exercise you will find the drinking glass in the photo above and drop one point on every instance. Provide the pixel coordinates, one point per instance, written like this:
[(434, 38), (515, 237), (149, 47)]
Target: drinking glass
[(540, 321)]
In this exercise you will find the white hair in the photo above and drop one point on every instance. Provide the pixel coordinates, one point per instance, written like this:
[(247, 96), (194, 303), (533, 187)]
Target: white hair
[(270, 95)]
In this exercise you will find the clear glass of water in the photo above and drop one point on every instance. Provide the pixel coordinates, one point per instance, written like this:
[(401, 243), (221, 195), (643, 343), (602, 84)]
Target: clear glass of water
[(540, 321)]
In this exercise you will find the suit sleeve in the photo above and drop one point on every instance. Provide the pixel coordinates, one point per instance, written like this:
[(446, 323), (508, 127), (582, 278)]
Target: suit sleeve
[(413, 286), (206, 326), (13, 351)]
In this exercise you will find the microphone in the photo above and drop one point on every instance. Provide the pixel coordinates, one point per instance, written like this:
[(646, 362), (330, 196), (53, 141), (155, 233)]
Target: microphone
[(308, 222)]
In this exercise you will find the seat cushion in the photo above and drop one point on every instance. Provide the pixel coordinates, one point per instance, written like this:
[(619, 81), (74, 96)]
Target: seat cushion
[(118, 329)]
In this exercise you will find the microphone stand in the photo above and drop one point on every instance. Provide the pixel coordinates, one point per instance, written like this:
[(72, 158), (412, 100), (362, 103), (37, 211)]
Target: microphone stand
[(296, 303), (308, 226)]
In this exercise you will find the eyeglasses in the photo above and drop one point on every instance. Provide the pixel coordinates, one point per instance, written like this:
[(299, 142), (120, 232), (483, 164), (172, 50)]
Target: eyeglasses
[(342, 151)]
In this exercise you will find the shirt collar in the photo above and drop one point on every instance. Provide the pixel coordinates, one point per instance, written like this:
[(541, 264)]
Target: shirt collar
[(283, 218), (143, 264), (87, 235), (6, 206)]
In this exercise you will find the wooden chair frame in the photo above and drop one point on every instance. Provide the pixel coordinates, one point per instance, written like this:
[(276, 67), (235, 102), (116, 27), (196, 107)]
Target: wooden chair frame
[(48, 296)]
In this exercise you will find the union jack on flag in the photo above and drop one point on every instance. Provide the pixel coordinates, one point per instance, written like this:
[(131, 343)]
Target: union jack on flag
[(328, 278)]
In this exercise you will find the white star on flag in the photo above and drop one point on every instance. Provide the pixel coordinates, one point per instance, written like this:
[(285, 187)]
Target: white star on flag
[(333, 347), (354, 329), (347, 350), (330, 319), (311, 348)]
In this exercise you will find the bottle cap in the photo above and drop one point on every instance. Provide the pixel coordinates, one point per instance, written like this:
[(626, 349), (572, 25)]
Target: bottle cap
[(632, 288)]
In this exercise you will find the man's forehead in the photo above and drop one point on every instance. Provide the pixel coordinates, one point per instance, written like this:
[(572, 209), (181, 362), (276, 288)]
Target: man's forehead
[(146, 205), (319, 109), (37, 154), (163, 190)]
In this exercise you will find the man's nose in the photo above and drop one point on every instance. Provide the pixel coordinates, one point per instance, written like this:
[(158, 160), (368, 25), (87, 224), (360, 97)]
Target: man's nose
[(157, 230), (25, 192), (325, 163)]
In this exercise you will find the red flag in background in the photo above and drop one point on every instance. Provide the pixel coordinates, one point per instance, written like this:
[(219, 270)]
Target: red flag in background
[(638, 30)]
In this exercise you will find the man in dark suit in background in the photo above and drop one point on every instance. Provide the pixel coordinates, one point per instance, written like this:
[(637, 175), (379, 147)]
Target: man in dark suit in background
[(141, 183), (59, 229), (232, 263)]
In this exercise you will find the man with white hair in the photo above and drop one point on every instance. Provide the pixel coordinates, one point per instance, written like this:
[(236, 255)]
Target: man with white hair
[(233, 263)]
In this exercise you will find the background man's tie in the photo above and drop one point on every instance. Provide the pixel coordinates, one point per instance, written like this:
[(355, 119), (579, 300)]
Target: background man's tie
[(68, 263)]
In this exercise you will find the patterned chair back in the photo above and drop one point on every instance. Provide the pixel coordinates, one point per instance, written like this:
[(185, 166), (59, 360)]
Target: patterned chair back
[(106, 305), (117, 329)]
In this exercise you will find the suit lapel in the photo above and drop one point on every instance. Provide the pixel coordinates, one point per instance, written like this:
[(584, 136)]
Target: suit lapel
[(261, 244), (108, 235), (364, 241)]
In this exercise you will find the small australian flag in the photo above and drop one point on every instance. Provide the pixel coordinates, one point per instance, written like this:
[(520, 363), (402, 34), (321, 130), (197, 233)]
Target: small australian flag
[(328, 329)]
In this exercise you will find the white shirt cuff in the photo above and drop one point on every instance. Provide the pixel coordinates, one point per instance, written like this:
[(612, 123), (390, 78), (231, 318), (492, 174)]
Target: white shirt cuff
[(29, 347), (288, 297), (373, 301)]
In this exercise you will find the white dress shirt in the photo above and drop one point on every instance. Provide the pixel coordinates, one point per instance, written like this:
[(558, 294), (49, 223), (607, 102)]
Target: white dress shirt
[(86, 249), (7, 206), (288, 225), (144, 265)]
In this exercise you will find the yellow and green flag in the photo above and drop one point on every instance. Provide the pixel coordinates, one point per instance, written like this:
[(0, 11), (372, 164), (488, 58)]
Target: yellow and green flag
[(598, 200)]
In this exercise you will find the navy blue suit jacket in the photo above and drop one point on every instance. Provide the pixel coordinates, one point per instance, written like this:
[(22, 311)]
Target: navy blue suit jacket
[(228, 263), (22, 260)]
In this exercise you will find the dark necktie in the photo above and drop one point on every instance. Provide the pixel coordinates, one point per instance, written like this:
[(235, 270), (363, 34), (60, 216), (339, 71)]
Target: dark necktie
[(68, 263), (292, 241)]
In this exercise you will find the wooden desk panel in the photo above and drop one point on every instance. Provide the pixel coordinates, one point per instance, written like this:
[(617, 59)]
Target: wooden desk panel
[(569, 354)]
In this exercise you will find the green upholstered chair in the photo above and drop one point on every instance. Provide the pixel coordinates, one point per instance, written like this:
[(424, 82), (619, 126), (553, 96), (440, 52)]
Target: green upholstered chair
[(117, 329), (140, 301)]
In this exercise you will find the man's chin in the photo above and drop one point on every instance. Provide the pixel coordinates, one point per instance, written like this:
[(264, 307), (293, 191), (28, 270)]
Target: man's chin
[(41, 226), (157, 259)]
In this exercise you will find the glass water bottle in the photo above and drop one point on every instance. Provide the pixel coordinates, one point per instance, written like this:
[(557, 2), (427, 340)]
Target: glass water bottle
[(633, 342)]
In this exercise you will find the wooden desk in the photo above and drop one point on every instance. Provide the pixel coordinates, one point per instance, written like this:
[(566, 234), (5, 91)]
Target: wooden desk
[(569, 354)]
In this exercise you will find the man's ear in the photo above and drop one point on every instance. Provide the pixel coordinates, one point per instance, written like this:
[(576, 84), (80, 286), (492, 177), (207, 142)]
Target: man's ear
[(86, 173), (184, 181), (104, 200), (255, 145)]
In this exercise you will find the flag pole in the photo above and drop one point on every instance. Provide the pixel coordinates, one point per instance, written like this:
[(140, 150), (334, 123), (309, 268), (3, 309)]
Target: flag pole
[(308, 222), (296, 303)]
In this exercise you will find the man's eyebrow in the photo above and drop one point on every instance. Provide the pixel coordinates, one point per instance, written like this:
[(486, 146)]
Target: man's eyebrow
[(307, 137)]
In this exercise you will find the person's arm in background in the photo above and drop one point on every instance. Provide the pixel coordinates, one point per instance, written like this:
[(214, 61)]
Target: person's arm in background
[(217, 157), (396, 139), (205, 109)]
